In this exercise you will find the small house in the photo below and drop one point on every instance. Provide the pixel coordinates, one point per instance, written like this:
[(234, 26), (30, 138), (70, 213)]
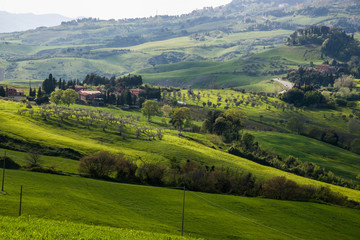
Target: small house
[(12, 92), (92, 97), (136, 91), (79, 88), (327, 69)]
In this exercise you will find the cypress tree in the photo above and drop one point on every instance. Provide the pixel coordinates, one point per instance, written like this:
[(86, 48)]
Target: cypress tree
[(2, 91), (39, 94)]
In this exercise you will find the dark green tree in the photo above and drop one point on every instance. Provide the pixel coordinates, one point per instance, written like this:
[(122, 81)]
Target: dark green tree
[(2, 91)]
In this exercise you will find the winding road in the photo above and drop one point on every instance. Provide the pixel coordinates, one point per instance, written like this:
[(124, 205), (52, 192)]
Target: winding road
[(287, 85)]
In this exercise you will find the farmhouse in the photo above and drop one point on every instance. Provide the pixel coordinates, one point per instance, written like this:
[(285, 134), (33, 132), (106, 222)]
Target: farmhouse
[(79, 88), (95, 98), (324, 68), (12, 92), (136, 91)]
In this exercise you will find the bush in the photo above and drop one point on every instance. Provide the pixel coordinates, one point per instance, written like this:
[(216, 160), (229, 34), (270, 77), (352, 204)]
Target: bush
[(99, 165), (152, 173), (125, 170), (281, 188)]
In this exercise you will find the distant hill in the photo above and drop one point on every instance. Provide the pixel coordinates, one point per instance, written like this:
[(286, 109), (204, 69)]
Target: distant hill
[(207, 47), (13, 22)]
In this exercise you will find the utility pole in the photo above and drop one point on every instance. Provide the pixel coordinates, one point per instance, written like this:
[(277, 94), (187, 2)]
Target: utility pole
[(20, 200), (3, 178), (183, 214)]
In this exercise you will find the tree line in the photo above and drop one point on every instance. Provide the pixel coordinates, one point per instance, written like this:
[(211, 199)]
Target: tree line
[(197, 177)]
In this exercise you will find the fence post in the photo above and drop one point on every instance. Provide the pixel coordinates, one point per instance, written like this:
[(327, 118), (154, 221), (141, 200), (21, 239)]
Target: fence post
[(21, 187), (3, 178), (183, 214)]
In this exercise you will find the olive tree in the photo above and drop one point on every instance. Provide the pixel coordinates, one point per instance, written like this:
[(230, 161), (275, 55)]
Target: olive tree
[(69, 96), (56, 97), (150, 108)]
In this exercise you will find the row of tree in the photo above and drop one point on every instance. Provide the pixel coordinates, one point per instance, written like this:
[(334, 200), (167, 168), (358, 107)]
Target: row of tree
[(125, 81), (197, 177)]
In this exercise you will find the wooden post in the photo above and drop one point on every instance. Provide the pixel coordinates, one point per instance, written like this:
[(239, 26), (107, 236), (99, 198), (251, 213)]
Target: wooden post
[(3, 178), (183, 214), (20, 200)]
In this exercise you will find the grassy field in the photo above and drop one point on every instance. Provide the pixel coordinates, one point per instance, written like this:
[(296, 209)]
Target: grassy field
[(158, 210), (23, 228), (342, 162), (195, 147)]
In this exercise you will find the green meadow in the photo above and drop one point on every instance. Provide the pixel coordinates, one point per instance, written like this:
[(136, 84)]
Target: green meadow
[(342, 162), (66, 203), (22, 228), (192, 146)]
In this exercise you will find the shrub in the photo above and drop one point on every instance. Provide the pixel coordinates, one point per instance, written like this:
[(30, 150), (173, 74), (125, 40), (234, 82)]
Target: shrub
[(125, 170), (281, 188), (152, 173), (99, 165)]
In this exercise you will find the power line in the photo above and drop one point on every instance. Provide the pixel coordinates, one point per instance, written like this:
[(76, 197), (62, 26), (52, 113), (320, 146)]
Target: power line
[(248, 219)]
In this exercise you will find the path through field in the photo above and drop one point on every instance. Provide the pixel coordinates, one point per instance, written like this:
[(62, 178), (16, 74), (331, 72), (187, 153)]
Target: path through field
[(287, 85)]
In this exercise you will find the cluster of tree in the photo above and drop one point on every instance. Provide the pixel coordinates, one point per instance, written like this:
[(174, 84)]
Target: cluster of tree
[(179, 117), (335, 138), (248, 148), (69, 96), (345, 88), (227, 124), (334, 42), (49, 85), (123, 98), (197, 177), (306, 96), (123, 82), (309, 77)]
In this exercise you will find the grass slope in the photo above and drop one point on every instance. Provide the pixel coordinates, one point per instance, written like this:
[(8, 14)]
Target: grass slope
[(183, 148), (343, 163), (211, 216), (23, 228)]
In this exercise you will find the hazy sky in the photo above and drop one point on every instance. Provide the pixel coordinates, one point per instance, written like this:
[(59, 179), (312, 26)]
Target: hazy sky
[(106, 9)]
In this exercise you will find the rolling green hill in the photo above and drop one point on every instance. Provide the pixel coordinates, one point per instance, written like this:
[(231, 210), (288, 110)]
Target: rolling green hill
[(343, 163), (158, 210), (210, 36), (194, 147)]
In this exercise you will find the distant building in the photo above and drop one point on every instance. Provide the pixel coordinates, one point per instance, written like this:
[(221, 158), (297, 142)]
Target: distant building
[(79, 88), (12, 92), (136, 91), (325, 68), (90, 95)]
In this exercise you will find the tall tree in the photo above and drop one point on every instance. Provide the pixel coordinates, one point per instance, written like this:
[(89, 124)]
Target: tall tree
[(180, 117), (150, 108), (2, 91), (69, 96), (49, 84), (56, 96)]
